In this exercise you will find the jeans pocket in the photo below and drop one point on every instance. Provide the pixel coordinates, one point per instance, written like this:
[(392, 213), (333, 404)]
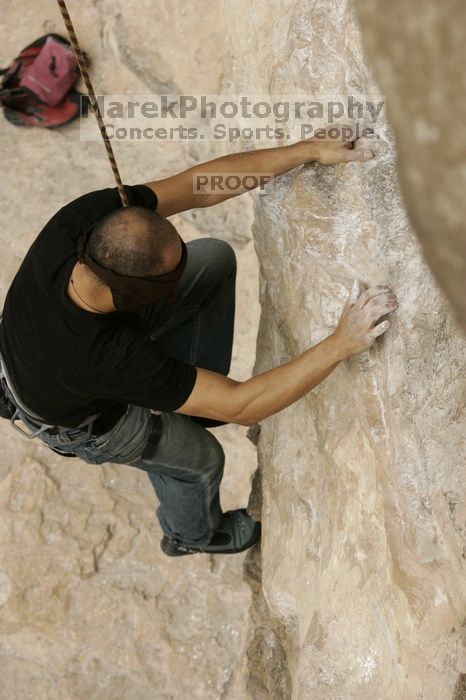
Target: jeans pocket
[(97, 444), (125, 443)]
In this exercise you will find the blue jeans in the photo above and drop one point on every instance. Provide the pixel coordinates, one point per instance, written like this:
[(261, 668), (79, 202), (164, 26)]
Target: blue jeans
[(183, 460)]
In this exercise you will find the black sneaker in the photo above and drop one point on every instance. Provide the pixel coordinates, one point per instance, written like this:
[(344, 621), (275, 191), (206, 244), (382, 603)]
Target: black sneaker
[(237, 533)]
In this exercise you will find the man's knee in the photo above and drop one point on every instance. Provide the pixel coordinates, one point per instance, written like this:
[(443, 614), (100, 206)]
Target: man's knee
[(219, 255), (227, 254), (214, 453)]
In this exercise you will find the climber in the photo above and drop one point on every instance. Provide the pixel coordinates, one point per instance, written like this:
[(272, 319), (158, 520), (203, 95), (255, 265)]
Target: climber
[(111, 315)]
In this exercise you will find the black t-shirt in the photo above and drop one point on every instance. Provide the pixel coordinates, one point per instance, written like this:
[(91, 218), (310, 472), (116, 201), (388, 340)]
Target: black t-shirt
[(66, 363)]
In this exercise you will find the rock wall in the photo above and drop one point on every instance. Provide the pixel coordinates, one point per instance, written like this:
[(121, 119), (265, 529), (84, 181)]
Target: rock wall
[(363, 480), (418, 57)]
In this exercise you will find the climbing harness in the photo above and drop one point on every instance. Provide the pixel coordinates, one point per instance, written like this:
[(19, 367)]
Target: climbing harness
[(92, 98)]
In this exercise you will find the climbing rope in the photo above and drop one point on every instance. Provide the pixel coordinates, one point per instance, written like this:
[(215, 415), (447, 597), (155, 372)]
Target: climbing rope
[(93, 100)]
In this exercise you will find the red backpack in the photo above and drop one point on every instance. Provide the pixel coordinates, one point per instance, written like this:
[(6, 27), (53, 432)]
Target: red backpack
[(37, 87)]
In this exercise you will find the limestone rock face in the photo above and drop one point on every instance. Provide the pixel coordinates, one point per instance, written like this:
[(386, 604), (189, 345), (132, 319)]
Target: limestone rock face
[(418, 55), (364, 499)]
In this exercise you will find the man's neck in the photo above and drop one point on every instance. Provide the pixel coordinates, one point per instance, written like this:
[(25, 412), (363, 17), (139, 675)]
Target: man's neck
[(83, 293)]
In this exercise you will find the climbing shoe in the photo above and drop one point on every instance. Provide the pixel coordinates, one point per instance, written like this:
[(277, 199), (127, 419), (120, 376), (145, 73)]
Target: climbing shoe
[(237, 533)]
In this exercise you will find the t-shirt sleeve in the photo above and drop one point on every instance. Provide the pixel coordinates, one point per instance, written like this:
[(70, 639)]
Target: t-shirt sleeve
[(93, 206), (97, 204), (149, 377)]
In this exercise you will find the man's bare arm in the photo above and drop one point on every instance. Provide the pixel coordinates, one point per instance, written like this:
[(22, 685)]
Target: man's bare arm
[(222, 398), (175, 194)]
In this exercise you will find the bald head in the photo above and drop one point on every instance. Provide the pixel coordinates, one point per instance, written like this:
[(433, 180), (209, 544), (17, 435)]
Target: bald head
[(135, 241)]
